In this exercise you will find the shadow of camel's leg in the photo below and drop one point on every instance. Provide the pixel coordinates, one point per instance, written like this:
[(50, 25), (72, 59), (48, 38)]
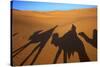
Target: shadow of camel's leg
[(57, 55), (36, 56), (30, 54), (17, 51), (83, 56), (65, 57)]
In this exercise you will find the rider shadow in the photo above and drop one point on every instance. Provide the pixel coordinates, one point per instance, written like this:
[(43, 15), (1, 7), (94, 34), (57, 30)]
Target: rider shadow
[(42, 38), (92, 41), (69, 43)]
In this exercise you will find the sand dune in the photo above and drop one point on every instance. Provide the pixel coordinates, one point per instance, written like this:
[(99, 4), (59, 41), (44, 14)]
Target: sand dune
[(26, 22)]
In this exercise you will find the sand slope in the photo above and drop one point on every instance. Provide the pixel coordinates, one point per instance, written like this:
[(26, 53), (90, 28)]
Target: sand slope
[(24, 23)]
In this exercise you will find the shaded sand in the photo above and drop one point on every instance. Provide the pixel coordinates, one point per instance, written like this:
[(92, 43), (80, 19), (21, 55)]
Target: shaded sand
[(24, 23)]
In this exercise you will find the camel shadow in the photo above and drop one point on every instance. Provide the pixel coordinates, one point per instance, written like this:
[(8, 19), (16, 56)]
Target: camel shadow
[(38, 36), (69, 43), (92, 41)]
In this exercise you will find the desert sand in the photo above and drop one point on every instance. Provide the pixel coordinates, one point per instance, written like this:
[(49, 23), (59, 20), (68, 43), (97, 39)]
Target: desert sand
[(24, 23)]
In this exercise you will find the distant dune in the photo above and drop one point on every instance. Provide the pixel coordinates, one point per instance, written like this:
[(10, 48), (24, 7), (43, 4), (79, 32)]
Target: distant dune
[(24, 23)]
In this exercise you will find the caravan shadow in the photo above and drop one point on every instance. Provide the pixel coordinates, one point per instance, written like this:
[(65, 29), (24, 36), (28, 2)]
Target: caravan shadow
[(69, 43)]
